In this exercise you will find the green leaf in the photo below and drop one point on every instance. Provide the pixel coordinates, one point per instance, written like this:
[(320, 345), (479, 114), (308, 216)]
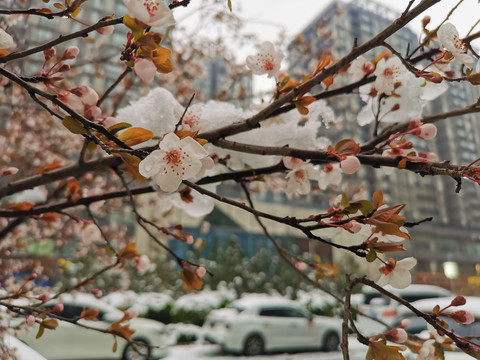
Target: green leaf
[(436, 309), (40, 332), (117, 127), (371, 256), (230, 5), (366, 206), (74, 125), (344, 203)]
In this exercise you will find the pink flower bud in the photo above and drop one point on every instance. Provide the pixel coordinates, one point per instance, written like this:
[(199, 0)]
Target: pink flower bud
[(459, 301), (44, 297), (200, 271), (96, 292), (427, 131), (33, 276), (405, 323), (397, 335), (30, 320), (8, 171), (301, 265), (131, 313), (106, 30), (462, 317), (350, 165), (64, 68), (58, 308), (70, 53), (48, 54)]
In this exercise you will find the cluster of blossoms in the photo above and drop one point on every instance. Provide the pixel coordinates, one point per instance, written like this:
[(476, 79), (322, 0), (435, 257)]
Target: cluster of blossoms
[(143, 50)]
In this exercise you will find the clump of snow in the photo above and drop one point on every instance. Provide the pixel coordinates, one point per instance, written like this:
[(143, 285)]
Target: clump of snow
[(315, 299), (142, 302), (202, 301)]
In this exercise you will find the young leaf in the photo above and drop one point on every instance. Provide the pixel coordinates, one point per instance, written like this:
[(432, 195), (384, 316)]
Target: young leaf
[(117, 127), (230, 5), (135, 135), (73, 125)]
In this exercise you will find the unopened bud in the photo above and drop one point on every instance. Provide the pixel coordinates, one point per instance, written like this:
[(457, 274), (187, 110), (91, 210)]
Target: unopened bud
[(459, 301), (70, 53)]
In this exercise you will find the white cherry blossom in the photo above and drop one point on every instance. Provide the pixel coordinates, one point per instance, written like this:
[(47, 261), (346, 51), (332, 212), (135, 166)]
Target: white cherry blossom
[(448, 36), (397, 273), (330, 175), (267, 61), (360, 67), (150, 12), (427, 351), (176, 160), (6, 41), (388, 72), (298, 179)]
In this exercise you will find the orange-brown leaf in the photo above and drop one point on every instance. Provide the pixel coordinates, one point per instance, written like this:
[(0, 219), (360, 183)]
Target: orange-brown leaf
[(131, 163), (347, 147), (191, 280), (49, 167), (377, 199), (49, 324), (128, 252), (3, 52), (328, 81), (90, 314), (324, 61), (135, 135), (49, 217), (123, 331), (22, 206)]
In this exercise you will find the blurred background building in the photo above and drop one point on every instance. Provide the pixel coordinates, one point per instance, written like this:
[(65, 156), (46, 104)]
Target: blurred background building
[(448, 247)]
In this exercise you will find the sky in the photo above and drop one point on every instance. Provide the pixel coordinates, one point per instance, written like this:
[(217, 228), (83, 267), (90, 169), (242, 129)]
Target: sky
[(267, 18)]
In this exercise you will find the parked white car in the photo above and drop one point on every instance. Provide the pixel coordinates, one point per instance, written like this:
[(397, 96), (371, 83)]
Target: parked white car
[(256, 325), (378, 306), (20, 350), (70, 341)]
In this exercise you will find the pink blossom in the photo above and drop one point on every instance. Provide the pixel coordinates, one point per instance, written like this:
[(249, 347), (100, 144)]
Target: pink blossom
[(145, 69), (150, 12), (267, 61)]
